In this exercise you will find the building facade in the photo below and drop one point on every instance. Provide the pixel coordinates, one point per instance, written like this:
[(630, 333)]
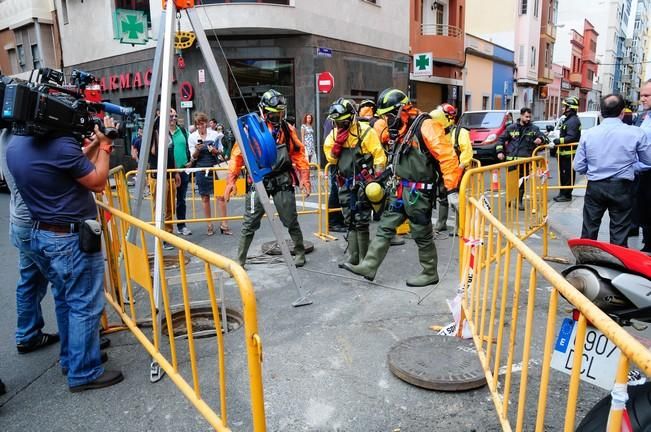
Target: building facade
[(279, 44), (29, 36), (635, 52), (527, 27), (488, 77), (437, 29), (584, 65)]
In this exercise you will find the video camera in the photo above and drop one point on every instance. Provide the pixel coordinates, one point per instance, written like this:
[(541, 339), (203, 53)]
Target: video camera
[(49, 107)]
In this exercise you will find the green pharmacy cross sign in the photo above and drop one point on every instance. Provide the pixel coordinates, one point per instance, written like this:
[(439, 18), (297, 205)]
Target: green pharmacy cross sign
[(423, 64), (131, 26)]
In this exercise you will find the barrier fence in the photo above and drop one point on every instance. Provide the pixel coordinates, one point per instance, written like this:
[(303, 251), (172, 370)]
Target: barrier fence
[(502, 281), (130, 292), (577, 181), (193, 200)]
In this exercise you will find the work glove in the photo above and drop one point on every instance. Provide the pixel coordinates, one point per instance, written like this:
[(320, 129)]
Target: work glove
[(500, 156), (556, 141), (453, 201)]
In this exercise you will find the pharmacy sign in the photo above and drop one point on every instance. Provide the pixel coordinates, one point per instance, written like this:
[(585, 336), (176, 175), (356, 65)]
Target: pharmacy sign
[(423, 64)]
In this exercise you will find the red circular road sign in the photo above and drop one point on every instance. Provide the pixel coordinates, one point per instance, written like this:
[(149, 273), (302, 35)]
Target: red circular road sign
[(186, 91), (325, 82)]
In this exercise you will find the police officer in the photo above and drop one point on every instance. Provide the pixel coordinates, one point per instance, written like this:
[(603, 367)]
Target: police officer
[(570, 133), (356, 150), (279, 184), (446, 115), (421, 151), (519, 141)]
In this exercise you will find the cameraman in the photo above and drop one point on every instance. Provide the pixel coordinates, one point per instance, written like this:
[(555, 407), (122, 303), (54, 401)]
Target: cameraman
[(56, 178)]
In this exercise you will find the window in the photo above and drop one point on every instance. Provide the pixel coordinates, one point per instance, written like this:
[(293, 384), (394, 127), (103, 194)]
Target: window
[(466, 103), (593, 46), (439, 14), (21, 55), (521, 56), (590, 74), (535, 8), (547, 52), (139, 5), (523, 7), (485, 100), (64, 11), (36, 58), (532, 61), (254, 77)]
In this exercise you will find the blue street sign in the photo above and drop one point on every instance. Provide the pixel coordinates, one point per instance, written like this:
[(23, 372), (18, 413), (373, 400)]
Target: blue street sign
[(323, 52)]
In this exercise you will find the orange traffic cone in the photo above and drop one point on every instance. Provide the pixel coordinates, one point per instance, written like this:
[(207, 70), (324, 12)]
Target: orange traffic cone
[(495, 181)]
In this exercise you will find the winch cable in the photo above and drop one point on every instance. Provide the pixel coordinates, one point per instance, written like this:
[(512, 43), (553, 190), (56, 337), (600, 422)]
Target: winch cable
[(228, 65)]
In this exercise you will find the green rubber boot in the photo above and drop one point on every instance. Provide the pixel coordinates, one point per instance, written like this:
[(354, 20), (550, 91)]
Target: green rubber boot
[(353, 249), (243, 249), (374, 257), (299, 250), (363, 241), (442, 219), (429, 261), (397, 240)]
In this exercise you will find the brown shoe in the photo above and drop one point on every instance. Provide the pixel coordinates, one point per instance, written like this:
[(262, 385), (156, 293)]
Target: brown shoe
[(102, 356), (107, 379)]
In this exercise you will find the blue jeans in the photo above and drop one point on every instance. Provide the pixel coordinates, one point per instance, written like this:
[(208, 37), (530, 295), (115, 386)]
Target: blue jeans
[(77, 280), (181, 191), (30, 289)]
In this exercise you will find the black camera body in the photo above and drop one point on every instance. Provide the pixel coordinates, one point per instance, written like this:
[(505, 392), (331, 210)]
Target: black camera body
[(45, 109)]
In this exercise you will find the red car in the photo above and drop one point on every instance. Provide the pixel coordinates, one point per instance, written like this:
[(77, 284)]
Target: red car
[(485, 127)]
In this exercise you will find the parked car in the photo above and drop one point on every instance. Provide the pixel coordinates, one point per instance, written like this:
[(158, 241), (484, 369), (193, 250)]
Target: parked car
[(485, 127)]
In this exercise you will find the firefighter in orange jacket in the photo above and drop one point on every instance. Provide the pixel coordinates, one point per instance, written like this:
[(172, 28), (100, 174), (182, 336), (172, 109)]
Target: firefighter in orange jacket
[(421, 151), (290, 167)]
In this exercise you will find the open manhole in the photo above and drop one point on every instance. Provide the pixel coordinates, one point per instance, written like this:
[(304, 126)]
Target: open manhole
[(272, 248), (169, 261), (203, 324)]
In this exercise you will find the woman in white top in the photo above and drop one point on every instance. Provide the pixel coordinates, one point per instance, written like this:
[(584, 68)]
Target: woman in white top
[(207, 151)]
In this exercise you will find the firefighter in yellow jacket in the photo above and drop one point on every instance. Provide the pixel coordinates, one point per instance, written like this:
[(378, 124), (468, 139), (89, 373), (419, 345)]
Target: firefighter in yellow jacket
[(446, 116), (421, 152), (291, 169), (356, 150)]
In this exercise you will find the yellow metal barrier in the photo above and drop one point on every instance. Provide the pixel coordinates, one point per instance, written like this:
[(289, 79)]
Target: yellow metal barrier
[(554, 182), (501, 280), (219, 186), (133, 260)]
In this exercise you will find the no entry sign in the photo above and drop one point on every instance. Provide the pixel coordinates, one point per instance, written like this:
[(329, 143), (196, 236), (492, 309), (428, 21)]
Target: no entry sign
[(325, 82)]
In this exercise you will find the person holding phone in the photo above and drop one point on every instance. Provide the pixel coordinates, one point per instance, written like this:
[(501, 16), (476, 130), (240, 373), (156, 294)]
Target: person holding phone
[(206, 152)]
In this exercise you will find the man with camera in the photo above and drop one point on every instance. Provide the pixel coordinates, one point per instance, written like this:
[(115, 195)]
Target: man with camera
[(55, 178)]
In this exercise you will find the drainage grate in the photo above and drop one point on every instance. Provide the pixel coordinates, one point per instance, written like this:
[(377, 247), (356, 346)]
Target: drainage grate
[(203, 324)]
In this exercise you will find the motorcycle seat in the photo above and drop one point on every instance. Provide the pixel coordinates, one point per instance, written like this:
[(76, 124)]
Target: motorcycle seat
[(596, 252)]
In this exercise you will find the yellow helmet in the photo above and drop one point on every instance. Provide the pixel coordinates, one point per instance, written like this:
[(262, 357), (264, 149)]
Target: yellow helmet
[(440, 117), (375, 194)]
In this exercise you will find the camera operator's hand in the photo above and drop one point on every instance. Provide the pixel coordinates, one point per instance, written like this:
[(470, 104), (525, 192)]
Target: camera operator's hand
[(105, 143)]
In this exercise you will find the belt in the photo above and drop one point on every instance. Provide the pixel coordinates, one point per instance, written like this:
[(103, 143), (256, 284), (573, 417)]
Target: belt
[(612, 180), (57, 228), (417, 185)]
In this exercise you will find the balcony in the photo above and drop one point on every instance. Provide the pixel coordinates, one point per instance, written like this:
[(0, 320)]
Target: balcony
[(545, 75), (548, 30), (575, 79), (576, 39), (626, 78), (17, 13), (445, 42)]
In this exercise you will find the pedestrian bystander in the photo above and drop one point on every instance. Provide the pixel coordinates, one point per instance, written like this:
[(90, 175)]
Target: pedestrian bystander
[(307, 136), (179, 138), (608, 153)]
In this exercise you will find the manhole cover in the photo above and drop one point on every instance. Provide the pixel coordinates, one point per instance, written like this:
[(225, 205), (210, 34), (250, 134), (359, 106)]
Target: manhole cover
[(203, 324), (169, 261), (436, 362), (272, 248)]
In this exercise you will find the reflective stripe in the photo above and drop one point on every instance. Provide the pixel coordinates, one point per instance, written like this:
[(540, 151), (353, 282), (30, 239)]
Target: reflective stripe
[(567, 152)]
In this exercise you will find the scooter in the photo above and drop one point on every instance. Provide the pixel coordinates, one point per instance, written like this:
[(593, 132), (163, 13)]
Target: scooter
[(618, 281)]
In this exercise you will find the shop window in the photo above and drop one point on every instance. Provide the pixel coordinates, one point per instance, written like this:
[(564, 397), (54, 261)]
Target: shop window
[(251, 78)]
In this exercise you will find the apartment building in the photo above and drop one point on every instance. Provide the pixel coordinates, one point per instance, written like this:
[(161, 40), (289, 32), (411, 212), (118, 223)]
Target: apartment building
[(437, 30), (583, 69), (635, 52), (268, 43), (29, 36), (526, 27)]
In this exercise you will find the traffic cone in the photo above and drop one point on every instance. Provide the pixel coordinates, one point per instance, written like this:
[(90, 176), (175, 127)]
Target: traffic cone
[(495, 181)]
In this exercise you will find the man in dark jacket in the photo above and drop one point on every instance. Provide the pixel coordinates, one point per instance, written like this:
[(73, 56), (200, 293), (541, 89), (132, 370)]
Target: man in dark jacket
[(570, 133), (519, 141)]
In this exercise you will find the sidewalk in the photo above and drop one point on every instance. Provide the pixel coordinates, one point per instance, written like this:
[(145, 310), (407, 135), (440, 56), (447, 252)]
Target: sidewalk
[(566, 219)]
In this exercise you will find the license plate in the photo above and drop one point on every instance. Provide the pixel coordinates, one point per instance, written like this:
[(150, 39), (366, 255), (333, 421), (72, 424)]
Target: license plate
[(600, 355)]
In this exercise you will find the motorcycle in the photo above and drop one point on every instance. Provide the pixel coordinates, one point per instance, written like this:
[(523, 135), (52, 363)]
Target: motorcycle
[(618, 281)]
